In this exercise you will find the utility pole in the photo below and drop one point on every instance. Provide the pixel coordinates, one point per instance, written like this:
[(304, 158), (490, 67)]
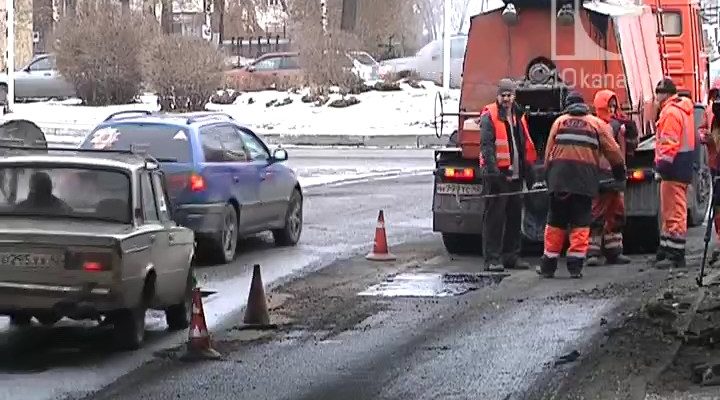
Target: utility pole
[(446, 46), (10, 55)]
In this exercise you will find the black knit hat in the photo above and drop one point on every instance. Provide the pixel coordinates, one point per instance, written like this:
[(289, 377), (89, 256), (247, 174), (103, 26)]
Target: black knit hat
[(666, 86), (574, 97), (506, 85)]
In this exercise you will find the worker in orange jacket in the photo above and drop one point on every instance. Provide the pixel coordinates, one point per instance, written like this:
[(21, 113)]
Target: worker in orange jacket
[(577, 140), (507, 154), (710, 135), (674, 156), (608, 208)]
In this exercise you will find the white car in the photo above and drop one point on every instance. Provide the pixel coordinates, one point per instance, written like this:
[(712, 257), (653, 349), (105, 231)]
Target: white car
[(427, 63), (365, 66)]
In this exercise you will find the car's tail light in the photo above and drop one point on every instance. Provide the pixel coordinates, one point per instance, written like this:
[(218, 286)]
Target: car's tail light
[(89, 261), (459, 174), (197, 183)]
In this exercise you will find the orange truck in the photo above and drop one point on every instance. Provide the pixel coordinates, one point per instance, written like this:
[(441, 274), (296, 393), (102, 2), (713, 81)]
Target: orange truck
[(552, 47)]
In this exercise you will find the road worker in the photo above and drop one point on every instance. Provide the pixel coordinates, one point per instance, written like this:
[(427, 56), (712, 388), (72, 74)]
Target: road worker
[(507, 154), (577, 140), (608, 208), (710, 134), (674, 155)]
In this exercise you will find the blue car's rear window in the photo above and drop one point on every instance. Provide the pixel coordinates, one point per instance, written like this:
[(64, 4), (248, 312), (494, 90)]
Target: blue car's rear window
[(165, 142)]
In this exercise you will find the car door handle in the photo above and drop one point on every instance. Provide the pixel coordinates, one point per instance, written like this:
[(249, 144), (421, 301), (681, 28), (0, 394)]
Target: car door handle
[(236, 179), (47, 74)]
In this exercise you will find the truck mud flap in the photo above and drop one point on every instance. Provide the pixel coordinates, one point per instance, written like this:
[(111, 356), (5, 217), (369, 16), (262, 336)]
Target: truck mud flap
[(642, 200)]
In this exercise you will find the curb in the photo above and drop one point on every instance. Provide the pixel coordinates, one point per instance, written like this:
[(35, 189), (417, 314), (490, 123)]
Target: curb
[(72, 134)]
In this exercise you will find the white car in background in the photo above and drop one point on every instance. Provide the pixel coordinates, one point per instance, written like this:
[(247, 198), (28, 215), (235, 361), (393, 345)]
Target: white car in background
[(427, 63), (365, 66)]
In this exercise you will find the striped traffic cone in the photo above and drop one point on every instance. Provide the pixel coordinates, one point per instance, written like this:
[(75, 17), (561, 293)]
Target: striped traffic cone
[(380, 250), (199, 346)]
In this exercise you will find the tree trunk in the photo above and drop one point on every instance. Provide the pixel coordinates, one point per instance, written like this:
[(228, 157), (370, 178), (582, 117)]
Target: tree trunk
[(167, 17), (23, 32)]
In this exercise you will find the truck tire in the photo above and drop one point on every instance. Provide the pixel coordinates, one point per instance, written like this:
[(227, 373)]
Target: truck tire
[(461, 243), (641, 235), (699, 196)]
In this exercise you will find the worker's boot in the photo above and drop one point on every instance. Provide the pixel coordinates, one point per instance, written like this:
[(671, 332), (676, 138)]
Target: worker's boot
[(511, 262), (494, 266), (619, 259), (671, 259), (593, 261), (575, 266), (714, 258), (547, 267)]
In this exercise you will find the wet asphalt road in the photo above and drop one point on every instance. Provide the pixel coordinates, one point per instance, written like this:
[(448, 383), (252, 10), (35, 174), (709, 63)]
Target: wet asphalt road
[(494, 343), (340, 220), (497, 342)]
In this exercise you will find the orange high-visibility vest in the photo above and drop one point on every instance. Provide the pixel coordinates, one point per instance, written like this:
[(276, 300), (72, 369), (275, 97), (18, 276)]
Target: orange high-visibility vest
[(502, 144)]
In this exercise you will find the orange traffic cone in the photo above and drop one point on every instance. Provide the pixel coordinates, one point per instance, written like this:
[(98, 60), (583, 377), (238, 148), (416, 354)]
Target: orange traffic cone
[(380, 250), (199, 347), (256, 311)]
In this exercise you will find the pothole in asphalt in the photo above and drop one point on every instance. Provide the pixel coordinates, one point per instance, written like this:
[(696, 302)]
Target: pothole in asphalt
[(424, 284)]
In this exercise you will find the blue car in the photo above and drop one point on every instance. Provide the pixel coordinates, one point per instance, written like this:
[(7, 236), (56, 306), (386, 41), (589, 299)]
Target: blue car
[(222, 179)]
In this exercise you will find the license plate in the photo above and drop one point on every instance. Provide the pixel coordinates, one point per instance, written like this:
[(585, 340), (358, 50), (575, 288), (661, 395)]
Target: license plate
[(459, 189), (31, 260)]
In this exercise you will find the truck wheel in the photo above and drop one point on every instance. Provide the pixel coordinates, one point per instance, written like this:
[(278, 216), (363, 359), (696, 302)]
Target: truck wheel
[(178, 316), (641, 235), (461, 243), (699, 196), (129, 328)]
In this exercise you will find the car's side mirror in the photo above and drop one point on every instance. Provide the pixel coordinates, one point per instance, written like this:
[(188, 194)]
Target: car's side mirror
[(280, 155), (251, 68)]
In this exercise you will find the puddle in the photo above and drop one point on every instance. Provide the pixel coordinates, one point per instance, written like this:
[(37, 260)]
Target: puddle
[(431, 284)]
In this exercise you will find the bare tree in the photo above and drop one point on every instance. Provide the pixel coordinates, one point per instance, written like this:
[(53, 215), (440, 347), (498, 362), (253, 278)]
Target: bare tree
[(166, 16)]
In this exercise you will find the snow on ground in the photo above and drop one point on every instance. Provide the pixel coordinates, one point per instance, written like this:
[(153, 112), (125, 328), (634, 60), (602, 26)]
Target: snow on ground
[(406, 112), (70, 114)]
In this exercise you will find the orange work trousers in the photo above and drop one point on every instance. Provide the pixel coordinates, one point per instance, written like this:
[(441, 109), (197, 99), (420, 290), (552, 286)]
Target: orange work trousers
[(608, 214), (568, 212), (673, 216)]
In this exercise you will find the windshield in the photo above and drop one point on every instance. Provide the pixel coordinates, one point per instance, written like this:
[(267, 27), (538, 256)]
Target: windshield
[(164, 142), (65, 192)]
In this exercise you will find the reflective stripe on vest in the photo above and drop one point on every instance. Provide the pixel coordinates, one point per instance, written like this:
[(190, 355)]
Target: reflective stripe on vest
[(573, 132)]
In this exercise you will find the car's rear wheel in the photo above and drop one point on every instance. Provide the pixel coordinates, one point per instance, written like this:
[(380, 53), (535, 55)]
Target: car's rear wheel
[(290, 234), (221, 248), (178, 316), (129, 328), (20, 319), (48, 319)]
